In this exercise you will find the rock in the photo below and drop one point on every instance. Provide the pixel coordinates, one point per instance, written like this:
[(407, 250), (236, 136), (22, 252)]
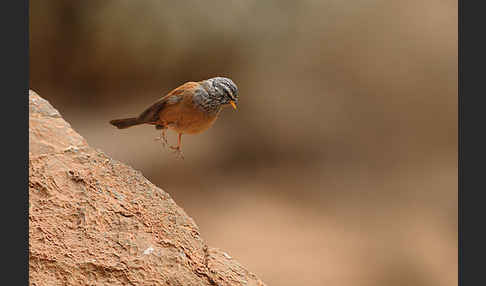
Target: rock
[(96, 221)]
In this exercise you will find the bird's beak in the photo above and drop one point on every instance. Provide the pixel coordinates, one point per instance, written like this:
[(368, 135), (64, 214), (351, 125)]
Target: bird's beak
[(233, 104)]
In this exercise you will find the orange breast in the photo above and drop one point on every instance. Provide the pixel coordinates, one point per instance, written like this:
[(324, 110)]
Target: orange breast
[(184, 117)]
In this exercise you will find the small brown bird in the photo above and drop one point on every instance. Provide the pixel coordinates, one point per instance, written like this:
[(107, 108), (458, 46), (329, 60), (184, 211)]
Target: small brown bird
[(189, 109)]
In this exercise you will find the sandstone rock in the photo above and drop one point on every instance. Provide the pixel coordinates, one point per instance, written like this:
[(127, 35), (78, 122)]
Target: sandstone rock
[(96, 221)]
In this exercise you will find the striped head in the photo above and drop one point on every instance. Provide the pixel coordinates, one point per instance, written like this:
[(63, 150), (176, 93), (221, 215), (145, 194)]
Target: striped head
[(224, 90)]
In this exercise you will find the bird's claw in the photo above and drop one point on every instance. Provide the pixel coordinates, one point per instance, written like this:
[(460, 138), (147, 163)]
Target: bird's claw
[(177, 151), (163, 139)]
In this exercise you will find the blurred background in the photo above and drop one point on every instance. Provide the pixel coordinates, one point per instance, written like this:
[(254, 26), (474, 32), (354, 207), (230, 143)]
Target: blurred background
[(340, 165)]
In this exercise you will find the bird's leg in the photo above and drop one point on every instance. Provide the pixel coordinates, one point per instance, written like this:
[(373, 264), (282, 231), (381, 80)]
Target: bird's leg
[(177, 149), (163, 137)]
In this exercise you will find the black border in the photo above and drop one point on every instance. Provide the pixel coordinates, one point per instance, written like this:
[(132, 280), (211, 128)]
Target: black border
[(471, 142), (14, 25)]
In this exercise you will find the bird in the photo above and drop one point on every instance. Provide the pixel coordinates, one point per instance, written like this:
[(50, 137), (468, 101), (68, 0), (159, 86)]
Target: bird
[(190, 108)]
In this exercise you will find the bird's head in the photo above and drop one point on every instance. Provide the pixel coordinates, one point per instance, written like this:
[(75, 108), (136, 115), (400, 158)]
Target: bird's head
[(225, 90)]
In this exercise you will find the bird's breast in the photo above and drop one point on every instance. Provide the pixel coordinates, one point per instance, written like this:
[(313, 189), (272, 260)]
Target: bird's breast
[(195, 122), (187, 118)]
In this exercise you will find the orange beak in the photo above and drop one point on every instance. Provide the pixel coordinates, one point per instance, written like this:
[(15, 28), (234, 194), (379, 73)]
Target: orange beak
[(233, 104)]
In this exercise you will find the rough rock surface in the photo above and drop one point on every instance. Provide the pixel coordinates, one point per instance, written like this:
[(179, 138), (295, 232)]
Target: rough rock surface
[(96, 221)]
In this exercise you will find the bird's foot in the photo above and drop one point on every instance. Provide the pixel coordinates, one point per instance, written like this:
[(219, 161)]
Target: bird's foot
[(177, 151), (163, 139)]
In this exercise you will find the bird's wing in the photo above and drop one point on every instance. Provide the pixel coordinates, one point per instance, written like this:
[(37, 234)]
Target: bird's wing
[(175, 96)]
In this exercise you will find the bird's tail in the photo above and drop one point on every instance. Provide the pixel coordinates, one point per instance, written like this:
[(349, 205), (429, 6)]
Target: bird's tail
[(126, 122)]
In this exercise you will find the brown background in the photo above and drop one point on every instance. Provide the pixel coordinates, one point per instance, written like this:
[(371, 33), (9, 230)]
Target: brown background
[(340, 166)]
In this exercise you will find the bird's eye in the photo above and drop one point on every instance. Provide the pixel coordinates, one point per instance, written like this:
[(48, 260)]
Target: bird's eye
[(228, 94)]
